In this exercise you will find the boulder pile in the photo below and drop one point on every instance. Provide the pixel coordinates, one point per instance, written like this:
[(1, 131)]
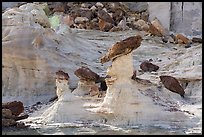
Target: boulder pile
[(12, 112), (104, 16)]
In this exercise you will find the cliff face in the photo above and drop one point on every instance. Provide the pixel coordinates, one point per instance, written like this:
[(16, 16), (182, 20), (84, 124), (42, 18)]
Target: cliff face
[(32, 53)]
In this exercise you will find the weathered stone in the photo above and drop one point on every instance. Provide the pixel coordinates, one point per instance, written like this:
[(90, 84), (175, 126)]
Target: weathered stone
[(58, 7), (86, 5), (21, 116), (172, 84), (68, 20), (179, 41), (122, 24), (81, 26), (170, 39), (137, 6), (148, 66), (6, 5), (99, 4), (156, 23), (84, 87), (145, 27), (105, 16), (94, 90), (86, 13), (16, 107), (122, 48), (6, 113), (131, 19), (92, 25), (139, 23), (197, 40), (154, 31), (165, 39), (118, 15), (80, 20), (105, 10), (8, 122), (183, 39), (145, 16), (20, 125), (93, 8), (85, 73), (162, 11), (104, 26)]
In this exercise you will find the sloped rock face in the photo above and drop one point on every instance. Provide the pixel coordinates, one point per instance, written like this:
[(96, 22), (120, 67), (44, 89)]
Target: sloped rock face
[(32, 52)]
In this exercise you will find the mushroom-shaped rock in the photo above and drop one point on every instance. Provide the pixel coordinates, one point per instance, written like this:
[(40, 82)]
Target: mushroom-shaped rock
[(62, 80), (172, 84), (87, 81), (148, 66), (119, 94), (122, 48), (62, 75)]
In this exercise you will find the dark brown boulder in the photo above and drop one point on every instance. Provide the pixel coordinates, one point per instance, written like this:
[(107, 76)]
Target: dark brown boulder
[(196, 40), (20, 117), (16, 107), (123, 47), (84, 73), (172, 84), (148, 66), (62, 75)]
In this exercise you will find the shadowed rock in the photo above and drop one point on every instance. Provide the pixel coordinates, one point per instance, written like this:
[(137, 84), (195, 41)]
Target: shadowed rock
[(103, 86), (20, 117), (134, 75), (105, 16), (122, 48), (147, 66), (16, 107), (196, 40), (172, 84), (84, 73)]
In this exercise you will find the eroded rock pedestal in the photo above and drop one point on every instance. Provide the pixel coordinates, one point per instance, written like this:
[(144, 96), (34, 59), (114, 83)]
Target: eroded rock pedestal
[(68, 107), (119, 91), (125, 102)]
